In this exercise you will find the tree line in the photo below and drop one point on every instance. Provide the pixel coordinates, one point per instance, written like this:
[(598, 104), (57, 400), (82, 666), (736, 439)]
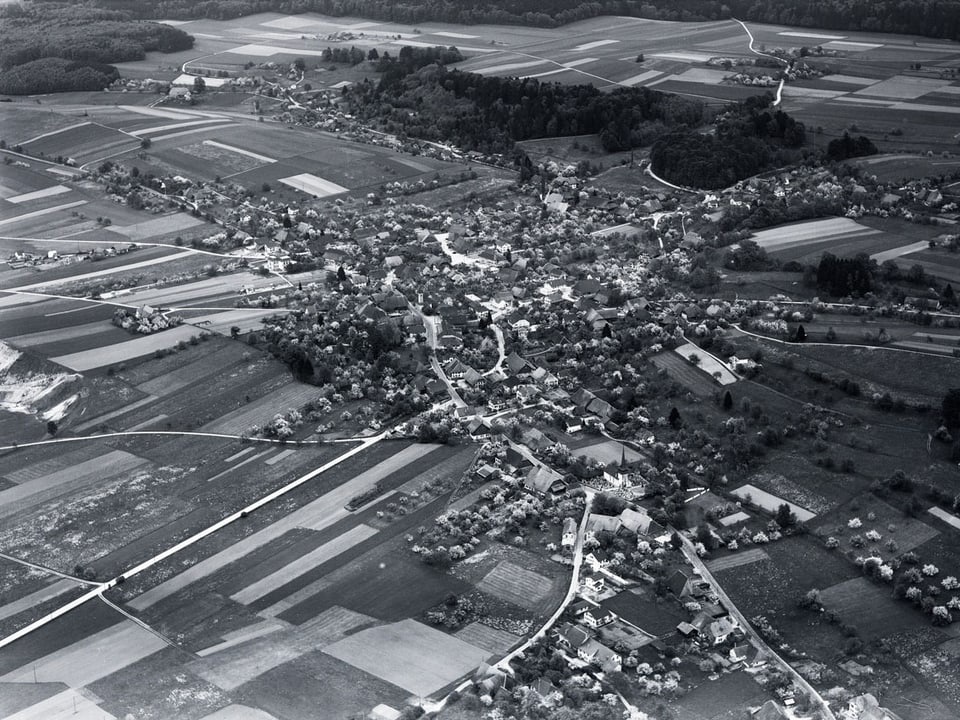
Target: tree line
[(83, 39), (933, 18)]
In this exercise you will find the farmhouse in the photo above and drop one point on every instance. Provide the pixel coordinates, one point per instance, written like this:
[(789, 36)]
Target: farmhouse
[(571, 636), (568, 537), (544, 481)]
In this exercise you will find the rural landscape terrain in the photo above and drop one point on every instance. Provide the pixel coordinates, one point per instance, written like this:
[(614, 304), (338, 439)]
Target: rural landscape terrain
[(478, 362)]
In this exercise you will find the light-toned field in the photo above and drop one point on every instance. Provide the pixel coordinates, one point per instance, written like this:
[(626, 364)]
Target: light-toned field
[(291, 395), (313, 185), (243, 635), (157, 226), (35, 598), (38, 194), (515, 584), (121, 352), (70, 332), (771, 502), (494, 641), (238, 712), (951, 520), (708, 364), (92, 658), (410, 655), (304, 564), (746, 557), (231, 668), (815, 231), (66, 705), (16, 499), (317, 515)]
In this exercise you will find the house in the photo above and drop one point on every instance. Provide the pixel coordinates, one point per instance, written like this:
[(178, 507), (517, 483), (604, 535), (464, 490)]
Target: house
[(384, 712), (638, 522), (571, 424), (597, 559), (544, 481), (598, 617), (571, 637), (568, 537), (680, 583), (593, 582), (455, 369), (517, 365), (720, 630), (549, 694), (742, 365), (600, 655), (603, 523), (865, 707), (581, 606), (739, 653), (688, 631)]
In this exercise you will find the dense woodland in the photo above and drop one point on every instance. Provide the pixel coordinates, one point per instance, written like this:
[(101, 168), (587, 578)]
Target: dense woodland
[(749, 138), (50, 75), (934, 18), (489, 114), (54, 47)]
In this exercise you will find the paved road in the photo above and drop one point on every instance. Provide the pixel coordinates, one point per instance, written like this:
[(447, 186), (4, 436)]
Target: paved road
[(759, 642)]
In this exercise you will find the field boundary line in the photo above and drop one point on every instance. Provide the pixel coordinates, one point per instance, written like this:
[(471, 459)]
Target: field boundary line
[(100, 588), (193, 433), (44, 568)]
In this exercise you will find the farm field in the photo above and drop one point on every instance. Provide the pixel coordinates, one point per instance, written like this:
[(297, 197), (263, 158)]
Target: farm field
[(709, 364), (410, 655), (770, 502)]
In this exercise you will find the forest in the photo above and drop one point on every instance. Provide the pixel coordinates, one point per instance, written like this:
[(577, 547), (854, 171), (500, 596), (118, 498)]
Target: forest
[(933, 18), (489, 114), (749, 138), (83, 38), (50, 75)]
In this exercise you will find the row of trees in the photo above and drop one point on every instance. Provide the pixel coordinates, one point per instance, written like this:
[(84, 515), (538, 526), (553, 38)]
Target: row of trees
[(935, 18)]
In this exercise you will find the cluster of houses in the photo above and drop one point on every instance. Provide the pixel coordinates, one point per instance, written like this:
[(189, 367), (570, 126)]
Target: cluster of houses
[(613, 624)]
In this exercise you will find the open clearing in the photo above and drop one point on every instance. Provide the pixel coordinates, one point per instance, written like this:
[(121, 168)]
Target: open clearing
[(410, 655), (771, 502), (516, 585), (607, 452)]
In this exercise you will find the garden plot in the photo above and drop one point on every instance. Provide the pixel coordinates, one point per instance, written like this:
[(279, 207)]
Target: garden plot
[(494, 641), (240, 664), (92, 658), (770, 502), (516, 585), (709, 364), (607, 452), (871, 608), (685, 373), (746, 557), (410, 655)]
